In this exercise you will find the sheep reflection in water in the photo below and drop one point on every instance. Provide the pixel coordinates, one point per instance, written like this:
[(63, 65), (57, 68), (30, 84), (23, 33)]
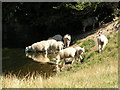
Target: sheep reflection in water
[(46, 61), (39, 64), (39, 57)]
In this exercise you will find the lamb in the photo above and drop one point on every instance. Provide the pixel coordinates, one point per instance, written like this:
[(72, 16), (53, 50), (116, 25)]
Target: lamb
[(67, 40), (89, 22), (102, 41), (66, 53), (57, 46), (56, 37), (39, 46)]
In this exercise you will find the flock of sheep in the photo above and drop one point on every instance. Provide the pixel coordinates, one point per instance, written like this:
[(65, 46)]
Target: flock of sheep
[(55, 44)]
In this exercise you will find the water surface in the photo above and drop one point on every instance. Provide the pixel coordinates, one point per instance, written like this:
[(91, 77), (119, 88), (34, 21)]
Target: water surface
[(15, 61)]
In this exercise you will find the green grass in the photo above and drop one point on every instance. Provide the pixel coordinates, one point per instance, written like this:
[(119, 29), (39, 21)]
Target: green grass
[(77, 41), (87, 44), (98, 70)]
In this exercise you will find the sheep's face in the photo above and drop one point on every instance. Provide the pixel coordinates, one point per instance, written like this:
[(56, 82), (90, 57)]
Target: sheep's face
[(29, 48), (26, 49), (83, 50)]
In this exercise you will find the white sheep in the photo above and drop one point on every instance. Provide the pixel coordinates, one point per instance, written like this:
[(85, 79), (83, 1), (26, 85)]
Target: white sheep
[(56, 37), (39, 46), (67, 40), (102, 41), (57, 46), (51, 42), (66, 53)]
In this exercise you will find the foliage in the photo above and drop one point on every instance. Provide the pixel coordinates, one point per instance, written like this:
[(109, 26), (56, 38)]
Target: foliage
[(99, 71), (26, 23)]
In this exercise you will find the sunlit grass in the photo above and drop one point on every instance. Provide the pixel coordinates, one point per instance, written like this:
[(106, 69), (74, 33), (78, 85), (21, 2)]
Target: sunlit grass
[(98, 70), (98, 76), (87, 44)]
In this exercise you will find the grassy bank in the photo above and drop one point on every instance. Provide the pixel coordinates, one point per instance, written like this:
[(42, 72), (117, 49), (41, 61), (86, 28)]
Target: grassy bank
[(98, 70)]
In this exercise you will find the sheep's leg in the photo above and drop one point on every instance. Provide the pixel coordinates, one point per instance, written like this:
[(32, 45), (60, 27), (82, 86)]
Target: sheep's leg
[(93, 26), (68, 44), (57, 68), (46, 52), (84, 29), (64, 44), (99, 48), (60, 48), (81, 57), (103, 46), (63, 63), (76, 58), (73, 59), (100, 24), (53, 50)]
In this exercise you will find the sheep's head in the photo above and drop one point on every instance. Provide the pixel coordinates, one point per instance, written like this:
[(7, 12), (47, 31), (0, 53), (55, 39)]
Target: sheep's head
[(83, 50), (29, 48)]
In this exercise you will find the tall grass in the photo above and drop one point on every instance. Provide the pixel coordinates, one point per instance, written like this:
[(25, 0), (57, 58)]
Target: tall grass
[(99, 70), (98, 76)]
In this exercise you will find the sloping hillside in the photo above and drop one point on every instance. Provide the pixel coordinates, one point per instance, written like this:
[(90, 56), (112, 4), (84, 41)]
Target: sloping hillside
[(97, 70)]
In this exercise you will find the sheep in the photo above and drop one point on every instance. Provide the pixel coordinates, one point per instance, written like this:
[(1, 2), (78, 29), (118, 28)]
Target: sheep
[(57, 46), (39, 46), (65, 53), (56, 37), (51, 42), (89, 22), (102, 41), (67, 40)]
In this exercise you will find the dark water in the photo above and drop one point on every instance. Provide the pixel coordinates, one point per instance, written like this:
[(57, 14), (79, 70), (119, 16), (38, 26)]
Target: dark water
[(15, 61)]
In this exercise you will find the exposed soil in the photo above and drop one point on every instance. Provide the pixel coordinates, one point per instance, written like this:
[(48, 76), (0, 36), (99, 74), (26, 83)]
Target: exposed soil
[(106, 29)]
